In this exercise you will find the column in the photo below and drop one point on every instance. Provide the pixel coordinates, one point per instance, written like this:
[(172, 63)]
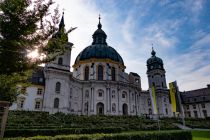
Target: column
[(91, 102)]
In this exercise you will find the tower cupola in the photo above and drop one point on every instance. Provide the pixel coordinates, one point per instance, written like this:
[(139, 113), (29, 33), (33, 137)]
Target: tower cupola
[(99, 36)]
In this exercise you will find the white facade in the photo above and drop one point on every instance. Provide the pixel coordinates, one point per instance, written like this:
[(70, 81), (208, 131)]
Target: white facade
[(31, 100), (199, 110)]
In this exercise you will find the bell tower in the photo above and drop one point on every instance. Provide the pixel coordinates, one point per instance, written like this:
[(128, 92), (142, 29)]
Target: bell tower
[(156, 72), (157, 79), (61, 62)]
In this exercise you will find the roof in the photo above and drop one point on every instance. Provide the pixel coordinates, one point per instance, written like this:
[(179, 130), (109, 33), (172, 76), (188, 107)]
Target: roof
[(99, 48), (99, 51), (37, 77), (198, 95), (134, 74)]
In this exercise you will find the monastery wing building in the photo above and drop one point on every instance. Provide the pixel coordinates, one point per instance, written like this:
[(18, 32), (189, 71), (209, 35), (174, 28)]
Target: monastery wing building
[(98, 84)]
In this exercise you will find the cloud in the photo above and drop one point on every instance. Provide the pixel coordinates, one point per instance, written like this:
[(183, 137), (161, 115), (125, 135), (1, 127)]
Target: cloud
[(191, 69), (132, 31), (127, 30), (193, 8), (81, 14)]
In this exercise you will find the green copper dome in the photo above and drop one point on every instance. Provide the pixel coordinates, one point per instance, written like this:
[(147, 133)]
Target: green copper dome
[(99, 48), (154, 62)]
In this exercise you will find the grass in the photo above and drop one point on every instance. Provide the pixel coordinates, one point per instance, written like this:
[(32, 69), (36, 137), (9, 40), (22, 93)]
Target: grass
[(201, 135)]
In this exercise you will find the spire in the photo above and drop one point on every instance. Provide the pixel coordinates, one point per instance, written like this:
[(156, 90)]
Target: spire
[(61, 25), (61, 31), (153, 52), (99, 24)]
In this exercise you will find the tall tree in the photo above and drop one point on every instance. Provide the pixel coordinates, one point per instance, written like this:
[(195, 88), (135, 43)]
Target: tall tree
[(25, 25)]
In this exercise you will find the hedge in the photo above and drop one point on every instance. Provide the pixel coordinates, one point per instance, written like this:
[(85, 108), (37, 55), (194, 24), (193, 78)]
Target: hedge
[(53, 132), (43, 120), (162, 135)]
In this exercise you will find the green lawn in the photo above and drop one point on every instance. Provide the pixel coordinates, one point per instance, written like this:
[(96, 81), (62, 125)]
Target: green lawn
[(201, 135)]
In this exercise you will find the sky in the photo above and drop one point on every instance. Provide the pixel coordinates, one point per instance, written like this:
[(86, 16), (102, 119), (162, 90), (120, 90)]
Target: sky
[(178, 29)]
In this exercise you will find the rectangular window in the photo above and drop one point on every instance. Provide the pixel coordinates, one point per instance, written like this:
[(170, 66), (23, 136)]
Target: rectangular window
[(39, 91), (40, 80), (203, 105), (113, 96), (21, 104), (194, 106), (187, 107), (23, 90), (123, 95), (195, 114), (189, 114), (37, 105), (137, 80), (205, 113), (164, 99), (100, 94)]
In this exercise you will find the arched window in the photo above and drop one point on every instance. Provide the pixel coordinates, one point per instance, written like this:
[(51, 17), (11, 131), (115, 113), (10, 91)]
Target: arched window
[(124, 94), (87, 94), (133, 97), (166, 111), (100, 93), (133, 107), (86, 73), (113, 94), (149, 102), (100, 72), (114, 107), (164, 99), (58, 87), (86, 108), (113, 74), (150, 111), (56, 103), (60, 61)]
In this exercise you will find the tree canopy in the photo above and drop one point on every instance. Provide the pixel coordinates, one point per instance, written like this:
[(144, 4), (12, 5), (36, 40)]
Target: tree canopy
[(25, 25)]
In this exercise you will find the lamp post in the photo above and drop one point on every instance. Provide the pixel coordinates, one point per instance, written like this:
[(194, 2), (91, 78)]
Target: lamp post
[(4, 109)]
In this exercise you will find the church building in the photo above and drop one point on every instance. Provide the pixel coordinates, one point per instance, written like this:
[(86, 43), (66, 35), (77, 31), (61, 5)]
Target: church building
[(98, 84)]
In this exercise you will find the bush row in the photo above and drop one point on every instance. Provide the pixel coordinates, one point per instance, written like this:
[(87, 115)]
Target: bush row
[(166, 135), (127, 126), (43, 120), (53, 132), (25, 117)]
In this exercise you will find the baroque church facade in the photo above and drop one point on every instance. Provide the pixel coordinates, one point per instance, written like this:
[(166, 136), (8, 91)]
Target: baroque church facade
[(98, 84)]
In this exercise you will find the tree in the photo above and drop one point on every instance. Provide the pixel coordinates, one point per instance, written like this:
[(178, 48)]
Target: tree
[(25, 26)]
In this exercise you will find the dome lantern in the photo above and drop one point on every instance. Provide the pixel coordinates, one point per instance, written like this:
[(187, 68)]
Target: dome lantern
[(99, 36), (153, 52)]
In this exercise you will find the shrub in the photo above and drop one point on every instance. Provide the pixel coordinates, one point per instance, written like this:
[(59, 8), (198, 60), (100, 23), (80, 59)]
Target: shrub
[(162, 135), (53, 132)]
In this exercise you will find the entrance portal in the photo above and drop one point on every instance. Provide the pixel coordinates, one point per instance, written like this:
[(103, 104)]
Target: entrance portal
[(125, 109), (100, 109)]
